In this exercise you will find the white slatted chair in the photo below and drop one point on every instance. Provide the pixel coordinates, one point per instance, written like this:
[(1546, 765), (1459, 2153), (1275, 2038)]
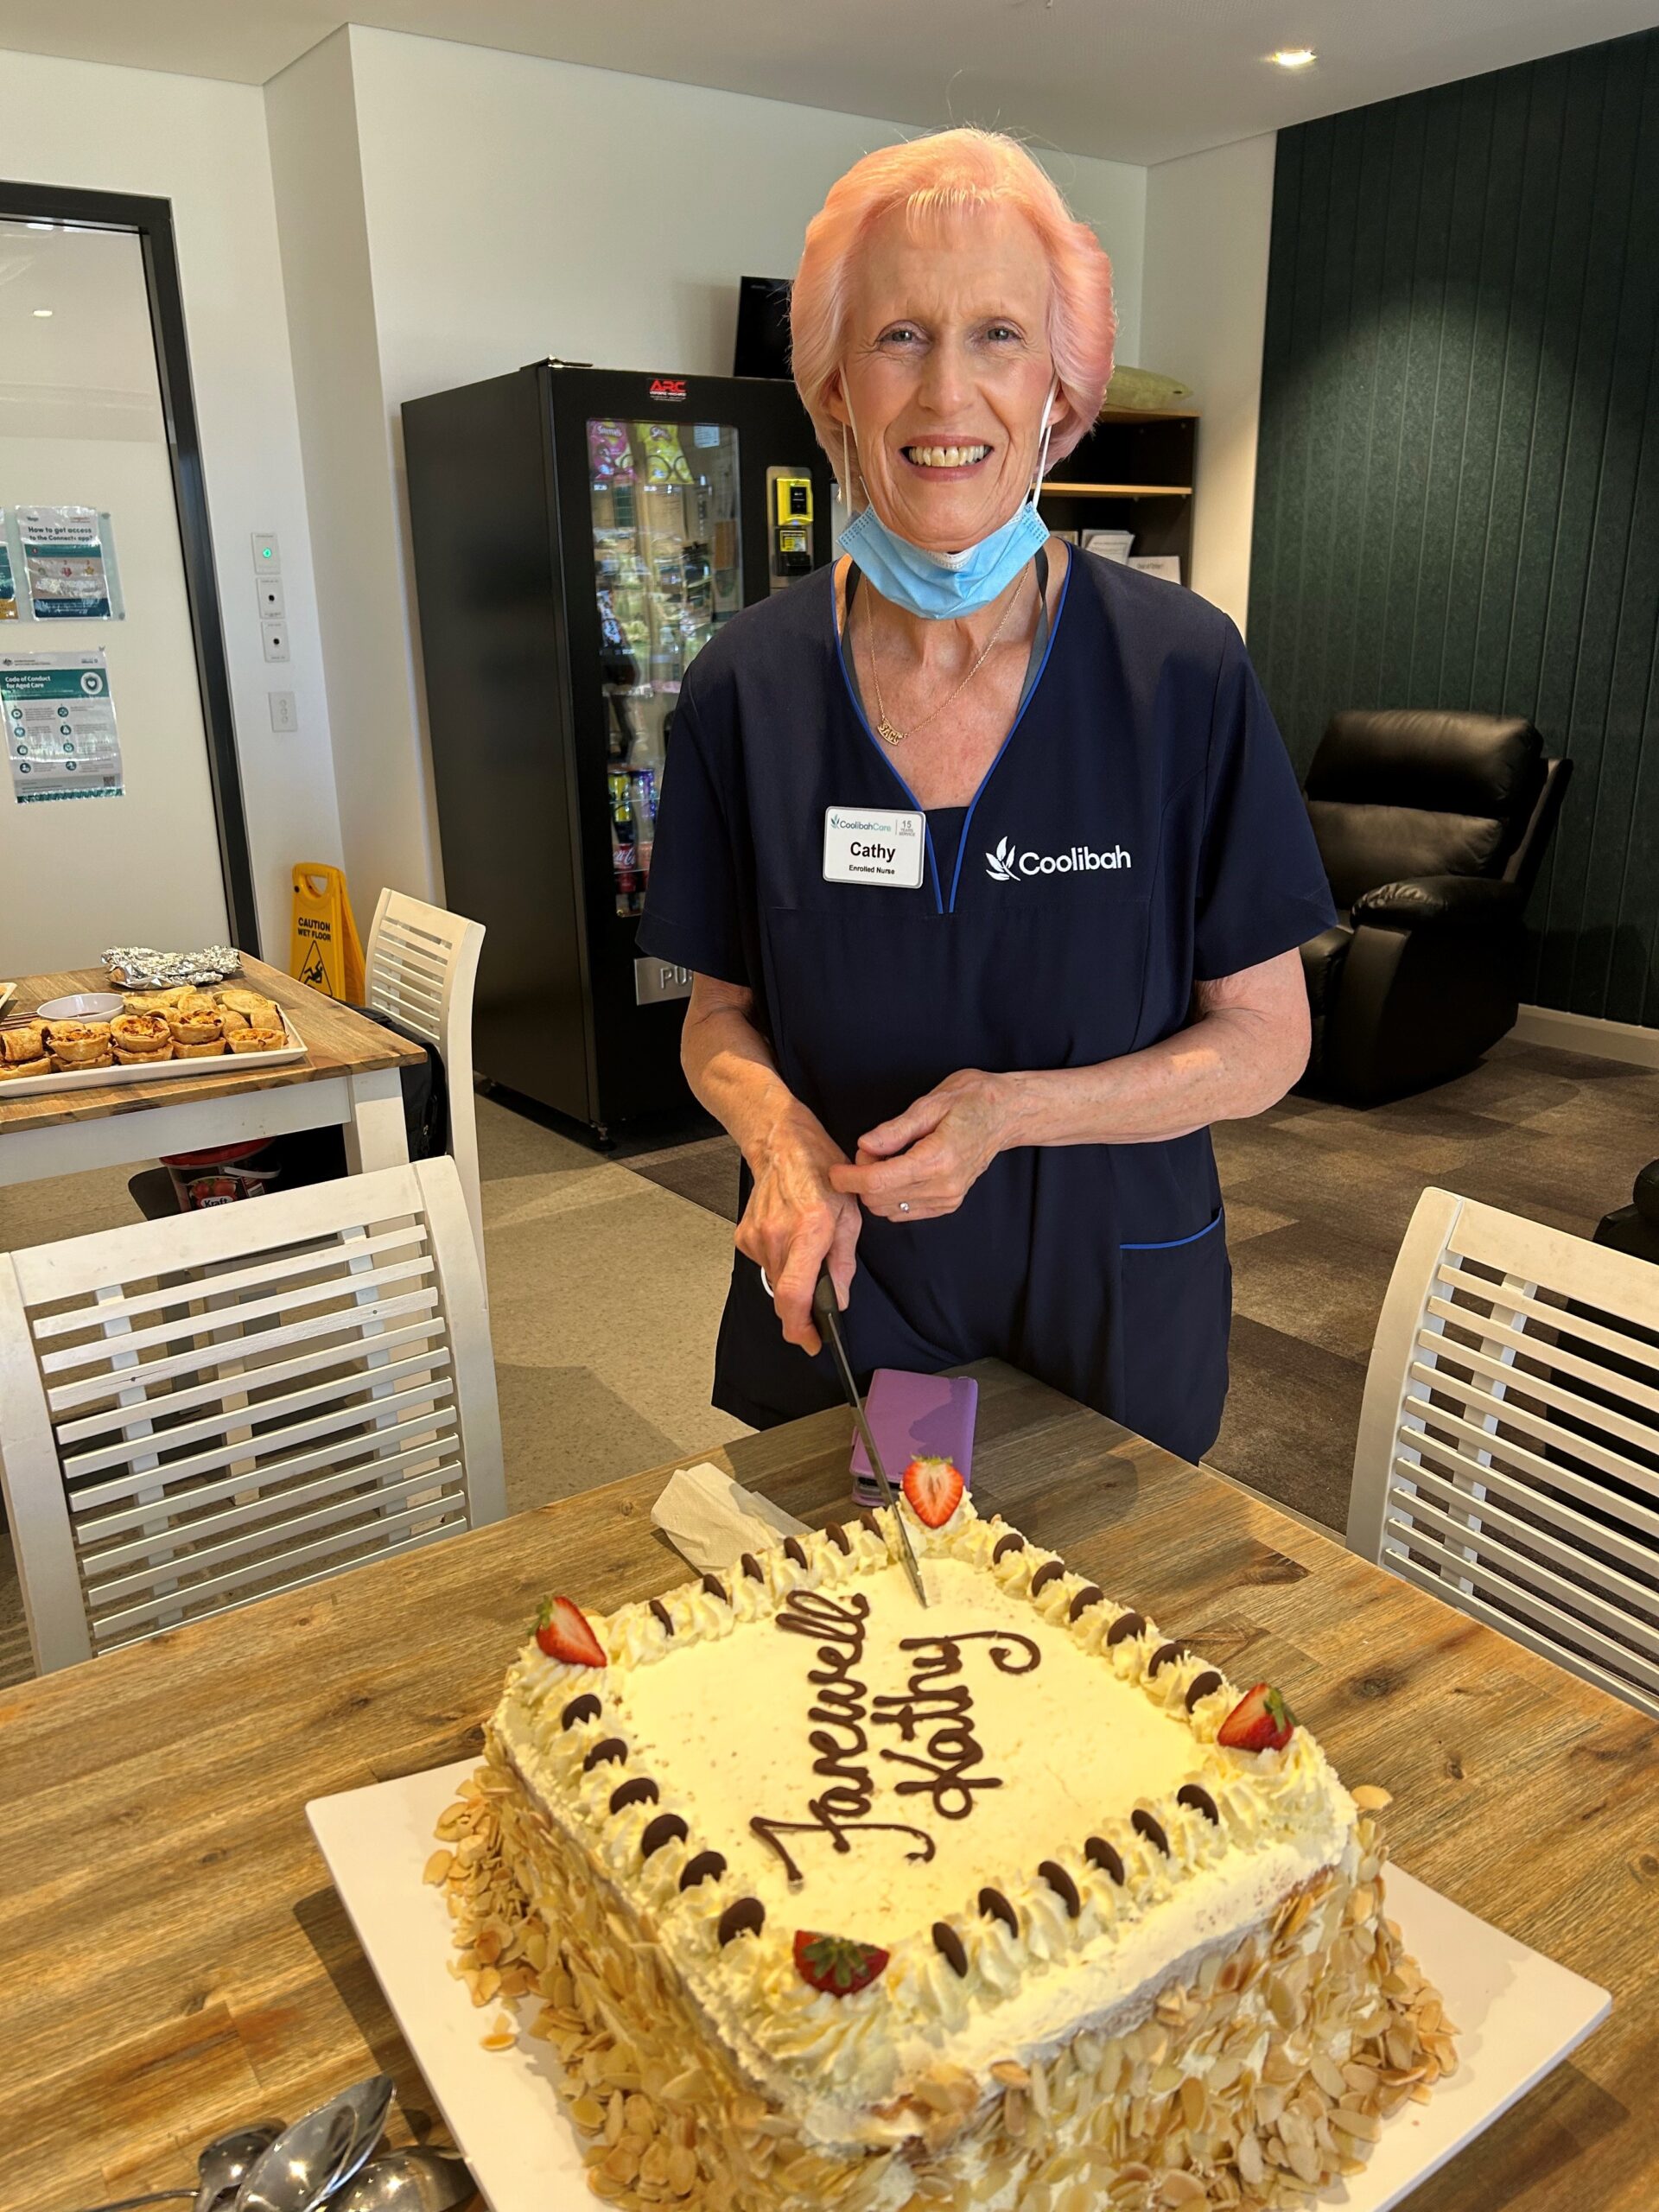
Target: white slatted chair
[(422, 965), (204, 1411), (1508, 1457)]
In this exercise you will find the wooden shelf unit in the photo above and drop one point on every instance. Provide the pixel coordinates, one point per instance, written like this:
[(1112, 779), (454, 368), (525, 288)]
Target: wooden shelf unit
[(1136, 470)]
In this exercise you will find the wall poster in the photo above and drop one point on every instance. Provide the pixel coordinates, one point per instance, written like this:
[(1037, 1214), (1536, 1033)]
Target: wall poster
[(59, 725), (69, 562)]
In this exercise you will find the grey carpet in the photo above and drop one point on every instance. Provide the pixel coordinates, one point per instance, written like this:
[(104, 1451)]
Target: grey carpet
[(1318, 1199)]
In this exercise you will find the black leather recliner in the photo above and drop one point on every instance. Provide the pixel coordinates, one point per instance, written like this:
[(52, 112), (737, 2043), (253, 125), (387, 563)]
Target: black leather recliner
[(1432, 826)]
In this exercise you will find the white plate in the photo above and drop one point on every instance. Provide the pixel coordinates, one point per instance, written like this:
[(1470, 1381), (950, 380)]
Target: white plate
[(36, 1086), (1518, 2013)]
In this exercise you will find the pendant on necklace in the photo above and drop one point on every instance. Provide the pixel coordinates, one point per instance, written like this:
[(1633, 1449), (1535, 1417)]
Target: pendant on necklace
[(887, 734)]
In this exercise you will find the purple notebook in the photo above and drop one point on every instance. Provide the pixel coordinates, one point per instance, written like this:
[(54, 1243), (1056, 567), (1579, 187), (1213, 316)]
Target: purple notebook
[(912, 1417)]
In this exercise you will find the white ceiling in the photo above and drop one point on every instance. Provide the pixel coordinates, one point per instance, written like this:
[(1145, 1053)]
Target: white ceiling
[(1132, 80)]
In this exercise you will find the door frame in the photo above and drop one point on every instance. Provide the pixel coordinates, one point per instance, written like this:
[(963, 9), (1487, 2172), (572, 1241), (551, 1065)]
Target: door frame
[(151, 221)]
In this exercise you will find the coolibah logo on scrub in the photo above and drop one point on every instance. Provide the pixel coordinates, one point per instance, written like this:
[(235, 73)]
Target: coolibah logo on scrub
[(1007, 863)]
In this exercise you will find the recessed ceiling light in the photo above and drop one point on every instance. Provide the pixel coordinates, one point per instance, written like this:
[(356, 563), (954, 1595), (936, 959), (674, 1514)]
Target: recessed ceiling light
[(42, 311), (1295, 57)]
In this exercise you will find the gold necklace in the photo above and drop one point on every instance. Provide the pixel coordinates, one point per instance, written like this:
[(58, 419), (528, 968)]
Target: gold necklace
[(888, 732)]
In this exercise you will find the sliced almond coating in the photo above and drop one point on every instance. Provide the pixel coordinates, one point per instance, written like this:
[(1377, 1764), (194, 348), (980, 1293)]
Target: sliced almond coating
[(1370, 1798)]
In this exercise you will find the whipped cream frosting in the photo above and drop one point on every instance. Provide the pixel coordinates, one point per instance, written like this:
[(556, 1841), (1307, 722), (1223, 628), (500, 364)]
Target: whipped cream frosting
[(1018, 1797)]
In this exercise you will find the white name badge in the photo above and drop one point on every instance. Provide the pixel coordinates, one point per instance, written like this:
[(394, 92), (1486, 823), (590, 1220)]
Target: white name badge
[(874, 844)]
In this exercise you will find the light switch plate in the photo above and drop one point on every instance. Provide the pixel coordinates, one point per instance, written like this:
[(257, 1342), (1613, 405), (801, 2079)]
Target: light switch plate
[(275, 637), (283, 718), (270, 595)]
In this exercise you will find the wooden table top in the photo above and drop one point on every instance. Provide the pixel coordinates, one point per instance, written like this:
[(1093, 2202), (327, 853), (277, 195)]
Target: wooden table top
[(340, 1043), (177, 1960)]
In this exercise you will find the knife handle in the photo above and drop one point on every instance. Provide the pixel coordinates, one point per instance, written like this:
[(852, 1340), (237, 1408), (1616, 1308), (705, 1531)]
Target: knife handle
[(824, 1301)]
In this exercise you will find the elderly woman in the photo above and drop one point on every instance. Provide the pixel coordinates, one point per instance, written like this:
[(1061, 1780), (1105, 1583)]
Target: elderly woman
[(986, 854)]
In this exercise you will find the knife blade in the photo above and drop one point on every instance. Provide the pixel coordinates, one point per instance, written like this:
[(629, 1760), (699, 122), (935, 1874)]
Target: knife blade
[(827, 1314)]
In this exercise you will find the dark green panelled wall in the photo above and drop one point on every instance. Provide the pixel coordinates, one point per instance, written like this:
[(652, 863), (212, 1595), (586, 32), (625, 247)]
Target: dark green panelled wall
[(1457, 496)]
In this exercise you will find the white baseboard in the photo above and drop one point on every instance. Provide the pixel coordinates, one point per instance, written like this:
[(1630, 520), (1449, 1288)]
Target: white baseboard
[(1586, 1032)]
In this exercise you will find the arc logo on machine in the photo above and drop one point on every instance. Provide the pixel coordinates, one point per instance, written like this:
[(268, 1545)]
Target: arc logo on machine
[(668, 388), (1006, 863)]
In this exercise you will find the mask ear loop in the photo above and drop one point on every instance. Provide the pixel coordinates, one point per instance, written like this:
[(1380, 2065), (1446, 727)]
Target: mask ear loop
[(846, 463), (1048, 434)]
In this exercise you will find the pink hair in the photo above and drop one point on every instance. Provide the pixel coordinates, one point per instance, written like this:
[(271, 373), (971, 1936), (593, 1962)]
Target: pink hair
[(953, 172)]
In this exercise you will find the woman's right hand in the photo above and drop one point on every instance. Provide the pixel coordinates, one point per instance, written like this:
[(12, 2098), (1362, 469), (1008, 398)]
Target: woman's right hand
[(796, 1220)]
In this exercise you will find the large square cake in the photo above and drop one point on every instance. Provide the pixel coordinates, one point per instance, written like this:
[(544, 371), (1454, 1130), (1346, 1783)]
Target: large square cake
[(834, 1899)]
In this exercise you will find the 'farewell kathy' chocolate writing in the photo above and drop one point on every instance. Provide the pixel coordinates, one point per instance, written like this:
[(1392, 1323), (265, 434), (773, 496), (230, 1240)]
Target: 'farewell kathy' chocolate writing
[(929, 1715)]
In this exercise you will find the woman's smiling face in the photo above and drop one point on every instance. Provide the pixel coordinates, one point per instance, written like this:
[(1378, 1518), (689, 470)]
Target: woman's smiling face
[(946, 371)]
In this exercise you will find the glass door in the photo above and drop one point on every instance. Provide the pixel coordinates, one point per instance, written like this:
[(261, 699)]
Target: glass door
[(119, 824), (668, 564)]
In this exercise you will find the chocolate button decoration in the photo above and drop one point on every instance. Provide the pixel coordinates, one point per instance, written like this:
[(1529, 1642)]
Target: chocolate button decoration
[(1050, 1571), (1006, 1545), (838, 1536), (1200, 1799), (661, 1611), (1100, 1853), (996, 1906), (641, 1791), (750, 1567), (1091, 1594), (1201, 1685), (716, 1588), (707, 1867), (585, 1708), (667, 1827), (1125, 1624), (747, 1917), (949, 1945), (1165, 1656), (1143, 1824), (611, 1747), (1063, 1886), (792, 1549)]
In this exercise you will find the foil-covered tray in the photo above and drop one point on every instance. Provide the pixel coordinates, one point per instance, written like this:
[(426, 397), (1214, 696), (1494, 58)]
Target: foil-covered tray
[(141, 968)]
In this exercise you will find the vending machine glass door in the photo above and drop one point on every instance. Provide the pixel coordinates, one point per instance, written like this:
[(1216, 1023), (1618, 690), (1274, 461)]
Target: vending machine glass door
[(668, 567)]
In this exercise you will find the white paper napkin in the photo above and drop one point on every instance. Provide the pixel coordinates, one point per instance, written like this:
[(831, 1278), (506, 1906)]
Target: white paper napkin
[(711, 1521)]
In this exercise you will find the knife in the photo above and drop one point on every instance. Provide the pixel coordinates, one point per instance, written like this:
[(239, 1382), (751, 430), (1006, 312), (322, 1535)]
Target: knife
[(827, 1314)]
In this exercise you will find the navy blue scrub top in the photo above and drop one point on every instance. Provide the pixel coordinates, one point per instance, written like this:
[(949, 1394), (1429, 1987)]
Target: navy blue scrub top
[(1140, 830)]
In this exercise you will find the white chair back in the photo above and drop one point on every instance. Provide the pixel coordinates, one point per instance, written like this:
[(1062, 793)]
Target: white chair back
[(1508, 1457), (206, 1410), (422, 966)]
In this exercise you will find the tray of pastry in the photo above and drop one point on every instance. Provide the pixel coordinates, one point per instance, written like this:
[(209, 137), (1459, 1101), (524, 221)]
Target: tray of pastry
[(159, 1036)]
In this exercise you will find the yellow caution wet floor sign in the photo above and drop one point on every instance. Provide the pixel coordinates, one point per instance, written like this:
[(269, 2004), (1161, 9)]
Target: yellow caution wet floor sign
[(325, 950)]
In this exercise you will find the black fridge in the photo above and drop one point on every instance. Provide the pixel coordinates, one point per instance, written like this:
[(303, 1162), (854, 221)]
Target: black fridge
[(579, 535)]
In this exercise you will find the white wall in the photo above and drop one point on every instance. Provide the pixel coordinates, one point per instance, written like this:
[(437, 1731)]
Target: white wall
[(1203, 312), (380, 772), (201, 144), (517, 207)]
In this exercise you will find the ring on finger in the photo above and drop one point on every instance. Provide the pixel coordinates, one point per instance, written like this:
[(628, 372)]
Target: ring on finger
[(904, 1205)]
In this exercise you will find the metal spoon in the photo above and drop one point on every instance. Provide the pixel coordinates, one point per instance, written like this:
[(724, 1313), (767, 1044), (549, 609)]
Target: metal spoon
[(219, 2170), (226, 2159), (408, 2181), (300, 2167), (369, 2102)]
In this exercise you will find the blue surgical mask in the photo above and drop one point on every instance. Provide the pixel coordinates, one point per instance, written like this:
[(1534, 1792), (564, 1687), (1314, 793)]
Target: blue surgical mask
[(940, 586)]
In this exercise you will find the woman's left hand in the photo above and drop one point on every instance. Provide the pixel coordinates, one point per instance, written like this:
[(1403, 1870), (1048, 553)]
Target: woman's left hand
[(925, 1161)]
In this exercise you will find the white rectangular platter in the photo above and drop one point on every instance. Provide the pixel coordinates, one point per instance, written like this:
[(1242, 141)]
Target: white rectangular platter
[(36, 1086), (1518, 2013)]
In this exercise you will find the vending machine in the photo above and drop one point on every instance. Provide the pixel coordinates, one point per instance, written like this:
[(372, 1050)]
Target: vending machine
[(579, 535)]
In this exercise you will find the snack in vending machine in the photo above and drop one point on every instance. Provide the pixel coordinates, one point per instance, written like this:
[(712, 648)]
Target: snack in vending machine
[(642, 795), (609, 454), (665, 461)]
